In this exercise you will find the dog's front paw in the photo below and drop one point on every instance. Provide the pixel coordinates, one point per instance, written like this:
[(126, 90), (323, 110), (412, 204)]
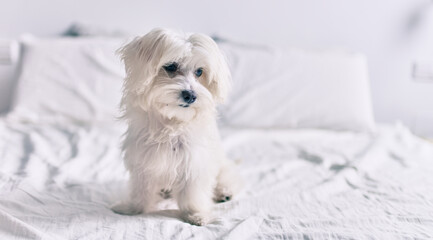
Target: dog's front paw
[(125, 208), (199, 219)]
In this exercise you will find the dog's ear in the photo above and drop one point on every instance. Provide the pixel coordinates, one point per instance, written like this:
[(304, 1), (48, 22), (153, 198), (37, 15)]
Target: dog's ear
[(142, 57), (217, 71)]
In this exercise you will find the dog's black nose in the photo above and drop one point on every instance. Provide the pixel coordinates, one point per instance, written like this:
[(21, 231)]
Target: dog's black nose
[(189, 96)]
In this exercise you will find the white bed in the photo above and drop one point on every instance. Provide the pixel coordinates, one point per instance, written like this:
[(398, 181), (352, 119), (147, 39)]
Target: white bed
[(351, 179)]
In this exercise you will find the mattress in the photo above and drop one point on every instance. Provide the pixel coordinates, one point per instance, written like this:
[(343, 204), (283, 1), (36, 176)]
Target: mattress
[(57, 181)]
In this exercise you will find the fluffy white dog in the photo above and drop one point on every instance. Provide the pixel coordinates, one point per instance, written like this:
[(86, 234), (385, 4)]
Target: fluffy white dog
[(172, 146)]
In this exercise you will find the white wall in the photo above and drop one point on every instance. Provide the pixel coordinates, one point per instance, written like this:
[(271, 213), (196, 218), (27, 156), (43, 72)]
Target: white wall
[(380, 29)]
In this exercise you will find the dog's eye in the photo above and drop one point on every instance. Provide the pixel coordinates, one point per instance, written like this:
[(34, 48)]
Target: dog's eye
[(171, 68), (199, 72)]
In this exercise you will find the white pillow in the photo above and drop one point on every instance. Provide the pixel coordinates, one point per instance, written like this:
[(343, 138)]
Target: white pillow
[(297, 88), (69, 79), (80, 79)]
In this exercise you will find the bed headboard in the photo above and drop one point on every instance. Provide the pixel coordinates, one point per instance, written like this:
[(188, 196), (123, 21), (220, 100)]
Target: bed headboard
[(386, 31)]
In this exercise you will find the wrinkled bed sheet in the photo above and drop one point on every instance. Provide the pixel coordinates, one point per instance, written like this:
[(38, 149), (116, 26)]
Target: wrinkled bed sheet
[(58, 181)]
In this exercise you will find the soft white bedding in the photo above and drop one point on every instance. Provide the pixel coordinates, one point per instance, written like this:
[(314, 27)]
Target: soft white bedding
[(57, 181), (61, 166)]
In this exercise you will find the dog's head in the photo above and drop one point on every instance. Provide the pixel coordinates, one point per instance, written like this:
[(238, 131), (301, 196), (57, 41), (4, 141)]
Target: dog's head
[(174, 74)]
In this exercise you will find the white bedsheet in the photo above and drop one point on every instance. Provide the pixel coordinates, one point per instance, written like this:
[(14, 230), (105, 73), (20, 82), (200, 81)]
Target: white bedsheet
[(57, 181)]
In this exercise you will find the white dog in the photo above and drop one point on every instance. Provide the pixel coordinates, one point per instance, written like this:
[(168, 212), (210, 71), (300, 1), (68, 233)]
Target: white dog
[(172, 146)]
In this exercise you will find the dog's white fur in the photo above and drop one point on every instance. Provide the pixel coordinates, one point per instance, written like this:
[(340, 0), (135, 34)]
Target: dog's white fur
[(170, 148)]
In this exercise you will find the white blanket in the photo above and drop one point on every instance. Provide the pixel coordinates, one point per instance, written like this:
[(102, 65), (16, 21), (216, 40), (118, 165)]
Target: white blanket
[(57, 182)]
